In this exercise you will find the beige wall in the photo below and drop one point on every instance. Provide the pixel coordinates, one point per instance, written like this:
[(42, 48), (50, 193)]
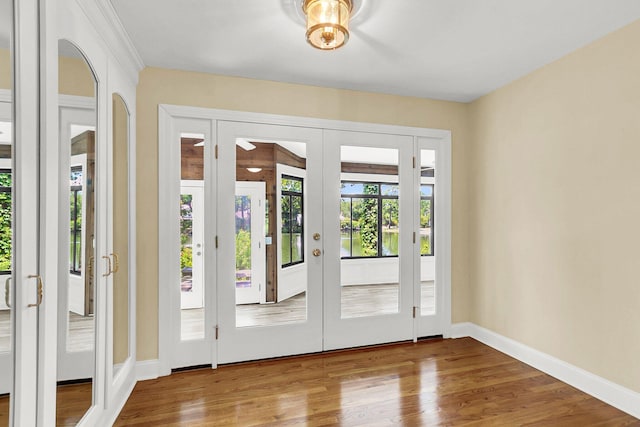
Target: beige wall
[(160, 86), (75, 77), (5, 69), (120, 230), (555, 209)]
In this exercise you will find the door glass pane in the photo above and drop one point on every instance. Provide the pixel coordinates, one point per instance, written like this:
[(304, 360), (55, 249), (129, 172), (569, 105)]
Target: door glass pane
[(271, 272), (192, 236), (426, 213), (120, 233), (6, 213), (76, 361), (369, 231)]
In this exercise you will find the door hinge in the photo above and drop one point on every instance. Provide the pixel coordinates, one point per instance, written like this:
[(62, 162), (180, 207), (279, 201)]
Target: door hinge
[(414, 314), (414, 237), (216, 332), (216, 151), (414, 161), (216, 242)]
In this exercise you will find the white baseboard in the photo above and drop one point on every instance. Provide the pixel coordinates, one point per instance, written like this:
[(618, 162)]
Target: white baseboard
[(112, 413), (147, 370), (609, 392)]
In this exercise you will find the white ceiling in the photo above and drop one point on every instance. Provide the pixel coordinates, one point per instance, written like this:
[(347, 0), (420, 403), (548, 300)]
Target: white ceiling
[(444, 49)]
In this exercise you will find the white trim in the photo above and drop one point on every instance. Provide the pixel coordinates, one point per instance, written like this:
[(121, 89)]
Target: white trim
[(104, 18), (149, 370), (609, 392), (175, 111), (116, 404)]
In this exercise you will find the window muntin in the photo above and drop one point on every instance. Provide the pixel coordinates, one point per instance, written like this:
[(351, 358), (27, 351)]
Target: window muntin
[(292, 211)]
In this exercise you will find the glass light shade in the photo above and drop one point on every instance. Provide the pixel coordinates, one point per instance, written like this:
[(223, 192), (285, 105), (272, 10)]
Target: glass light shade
[(327, 22)]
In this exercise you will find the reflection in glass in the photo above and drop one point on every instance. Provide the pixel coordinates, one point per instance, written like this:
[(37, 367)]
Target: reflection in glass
[(76, 362), (192, 236), (120, 233), (369, 231), (6, 212), (426, 213), (271, 270)]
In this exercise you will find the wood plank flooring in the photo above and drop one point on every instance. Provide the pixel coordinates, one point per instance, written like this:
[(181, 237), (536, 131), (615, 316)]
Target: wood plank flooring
[(437, 382)]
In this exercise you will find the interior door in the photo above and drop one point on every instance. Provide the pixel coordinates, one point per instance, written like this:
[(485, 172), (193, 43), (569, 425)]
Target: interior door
[(190, 221), (288, 160), (368, 223), (250, 251)]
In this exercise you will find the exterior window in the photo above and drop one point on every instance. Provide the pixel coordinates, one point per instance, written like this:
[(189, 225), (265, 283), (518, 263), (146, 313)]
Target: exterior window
[(292, 202), (426, 219), (75, 224), (369, 220), (5, 220)]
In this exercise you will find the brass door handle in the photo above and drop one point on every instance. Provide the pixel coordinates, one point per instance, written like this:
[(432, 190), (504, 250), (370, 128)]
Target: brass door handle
[(7, 300), (40, 289), (316, 252), (116, 262), (109, 271)]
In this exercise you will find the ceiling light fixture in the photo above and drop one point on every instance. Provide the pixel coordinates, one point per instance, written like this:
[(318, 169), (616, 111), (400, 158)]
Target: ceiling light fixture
[(327, 22), (254, 170)]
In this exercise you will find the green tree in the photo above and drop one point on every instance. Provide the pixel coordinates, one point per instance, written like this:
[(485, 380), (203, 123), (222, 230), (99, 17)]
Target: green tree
[(5, 222), (390, 212), (369, 222), (243, 250)]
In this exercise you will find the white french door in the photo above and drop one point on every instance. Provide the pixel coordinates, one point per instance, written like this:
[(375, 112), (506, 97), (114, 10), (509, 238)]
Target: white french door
[(368, 246), (250, 233), (291, 321), (432, 208), (351, 247), (188, 220)]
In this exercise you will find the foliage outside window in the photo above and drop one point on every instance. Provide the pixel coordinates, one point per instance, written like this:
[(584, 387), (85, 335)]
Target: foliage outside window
[(5, 220), (426, 219), (369, 219), (75, 221), (292, 199)]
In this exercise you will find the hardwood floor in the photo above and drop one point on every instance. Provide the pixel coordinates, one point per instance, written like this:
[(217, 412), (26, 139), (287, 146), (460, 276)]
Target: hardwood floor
[(438, 382), (72, 401)]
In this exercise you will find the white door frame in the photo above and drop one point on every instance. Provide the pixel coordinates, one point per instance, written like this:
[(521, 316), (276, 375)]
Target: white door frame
[(168, 113), (256, 293)]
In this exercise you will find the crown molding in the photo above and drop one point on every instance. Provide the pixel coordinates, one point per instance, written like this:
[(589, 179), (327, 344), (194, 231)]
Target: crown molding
[(104, 18)]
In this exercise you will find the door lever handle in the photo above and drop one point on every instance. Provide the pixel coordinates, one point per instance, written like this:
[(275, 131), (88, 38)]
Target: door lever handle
[(7, 299), (40, 289), (116, 262), (109, 271)]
